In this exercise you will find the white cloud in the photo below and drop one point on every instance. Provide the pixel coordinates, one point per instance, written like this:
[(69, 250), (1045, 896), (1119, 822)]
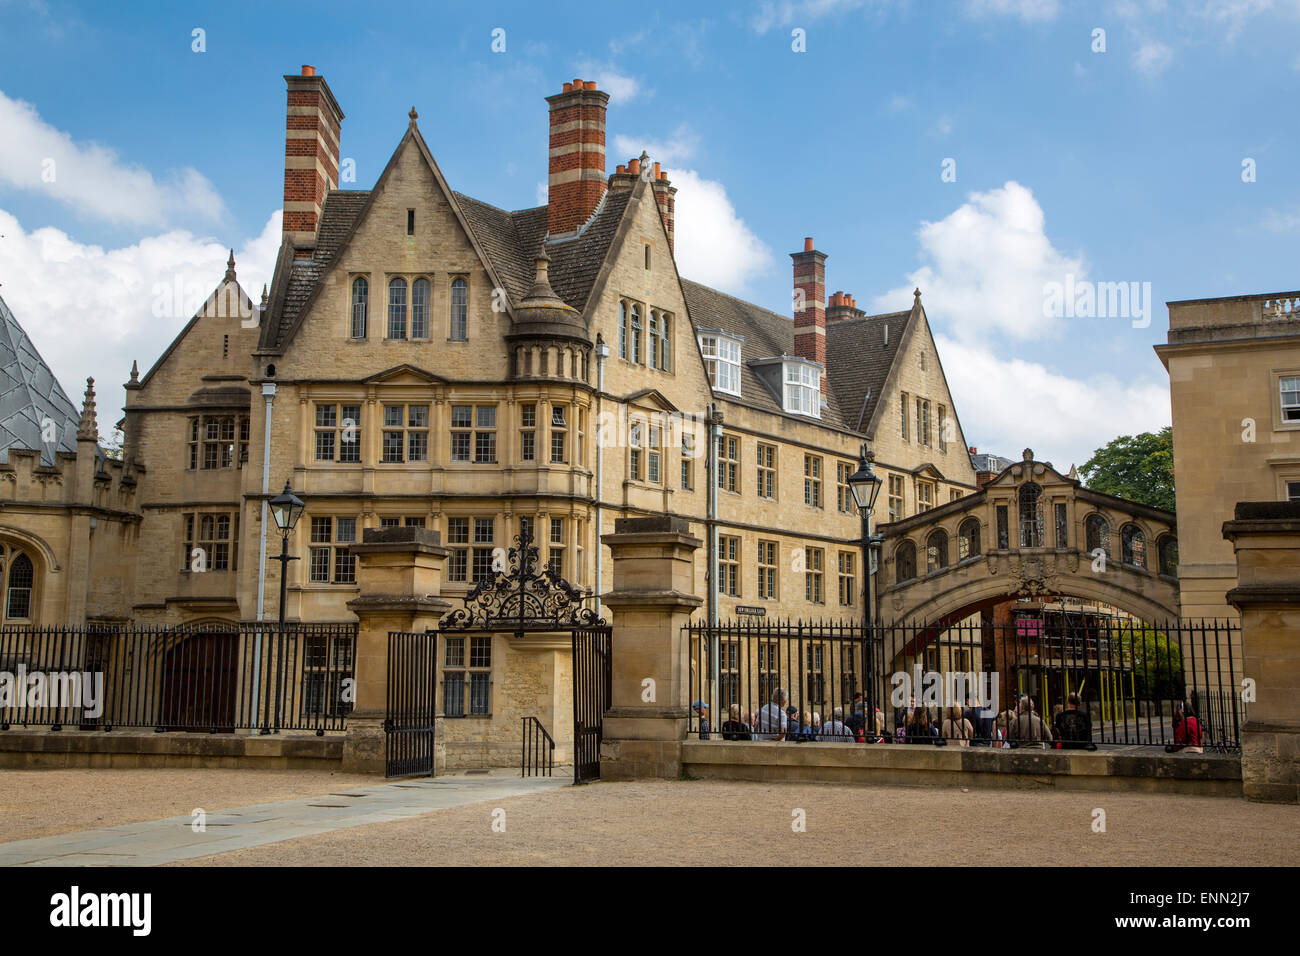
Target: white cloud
[(620, 87), (1063, 419), (1277, 221), (714, 246), (986, 265), (1027, 10), (90, 311), (543, 194), (678, 147), (93, 179), (1152, 58), (798, 12)]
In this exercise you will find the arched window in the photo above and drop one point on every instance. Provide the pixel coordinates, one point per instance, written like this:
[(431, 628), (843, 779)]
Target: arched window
[(360, 307), (1097, 534), (936, 551), (622, 330), (458, 330), (968, 539), (397, 309), (18, 588), (905, 561), (1031, 516), (420, 309), (1168, 547), (1134, 544)]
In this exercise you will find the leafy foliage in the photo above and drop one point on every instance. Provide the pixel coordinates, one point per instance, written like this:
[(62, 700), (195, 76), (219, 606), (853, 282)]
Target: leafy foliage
[(1157, 665), (1137, 467)]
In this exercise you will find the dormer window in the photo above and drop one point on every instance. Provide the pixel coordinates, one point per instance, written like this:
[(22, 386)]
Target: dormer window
[(803, 388), (722, 358)]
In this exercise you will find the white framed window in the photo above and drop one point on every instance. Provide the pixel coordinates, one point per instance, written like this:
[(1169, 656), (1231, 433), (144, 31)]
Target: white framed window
[(722, 359), (803, 389), (1290, 388)]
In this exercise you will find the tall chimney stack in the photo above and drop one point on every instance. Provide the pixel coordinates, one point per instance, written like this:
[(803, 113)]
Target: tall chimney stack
[(576, 180), (810, 321), (311, 155)]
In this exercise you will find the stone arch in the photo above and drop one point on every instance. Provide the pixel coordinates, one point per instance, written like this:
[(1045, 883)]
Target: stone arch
[(936, 551), (905, 562), (1096, 532), (1167, 555), (1133, 545), (968, 539)]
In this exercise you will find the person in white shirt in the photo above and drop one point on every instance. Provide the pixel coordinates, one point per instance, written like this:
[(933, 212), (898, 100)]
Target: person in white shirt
[(834, 730), (771, 723)]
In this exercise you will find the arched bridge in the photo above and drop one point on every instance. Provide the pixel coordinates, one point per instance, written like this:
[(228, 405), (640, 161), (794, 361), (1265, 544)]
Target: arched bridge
[(1031, 532)]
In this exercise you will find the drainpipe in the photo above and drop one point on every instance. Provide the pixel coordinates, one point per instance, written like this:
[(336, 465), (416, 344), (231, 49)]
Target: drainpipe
[(715, 434), (602, 353), (268, 392)]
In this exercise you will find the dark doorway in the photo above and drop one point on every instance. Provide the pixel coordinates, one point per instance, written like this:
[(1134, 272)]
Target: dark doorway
[(199, 684)]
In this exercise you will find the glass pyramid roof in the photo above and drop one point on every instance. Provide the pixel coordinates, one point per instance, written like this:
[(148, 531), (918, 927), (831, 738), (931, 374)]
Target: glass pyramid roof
[(31, 395)]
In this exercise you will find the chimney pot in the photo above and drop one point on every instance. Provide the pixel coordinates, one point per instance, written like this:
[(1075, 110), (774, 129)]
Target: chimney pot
[(634, 167), (589, 85), (620, 168), (568, 88), (658, 175), (308, 70), (808, 244), (577, 84)]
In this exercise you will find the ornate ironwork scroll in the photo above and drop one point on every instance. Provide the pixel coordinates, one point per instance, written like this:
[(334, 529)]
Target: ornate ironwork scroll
[(523, 598)]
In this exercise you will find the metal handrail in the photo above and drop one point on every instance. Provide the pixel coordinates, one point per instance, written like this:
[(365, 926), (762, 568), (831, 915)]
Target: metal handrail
[(534, 761)]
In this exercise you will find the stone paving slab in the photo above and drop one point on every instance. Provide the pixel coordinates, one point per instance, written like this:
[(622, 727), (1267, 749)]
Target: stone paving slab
[(156, 842)]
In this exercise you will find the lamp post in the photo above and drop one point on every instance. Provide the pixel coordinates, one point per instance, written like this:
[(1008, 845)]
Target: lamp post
[(286, 509), (864, 484)]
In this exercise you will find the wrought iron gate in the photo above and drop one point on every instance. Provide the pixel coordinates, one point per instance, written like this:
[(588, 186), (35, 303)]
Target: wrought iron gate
[(412, 704), (591, 685), (532, 598)]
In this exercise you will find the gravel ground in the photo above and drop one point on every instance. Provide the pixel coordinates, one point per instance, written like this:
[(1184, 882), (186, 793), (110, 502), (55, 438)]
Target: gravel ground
[(38, 803), (669, 823)]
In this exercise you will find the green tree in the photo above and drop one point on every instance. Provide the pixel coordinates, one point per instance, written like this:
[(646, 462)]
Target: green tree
[(1157, 664), (1137, 467)]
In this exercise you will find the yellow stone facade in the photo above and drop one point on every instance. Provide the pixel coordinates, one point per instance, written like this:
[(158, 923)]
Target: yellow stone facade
[(1234, 440)]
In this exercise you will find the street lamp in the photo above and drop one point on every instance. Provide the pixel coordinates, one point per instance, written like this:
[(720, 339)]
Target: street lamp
[(864, 484), (286, 509)]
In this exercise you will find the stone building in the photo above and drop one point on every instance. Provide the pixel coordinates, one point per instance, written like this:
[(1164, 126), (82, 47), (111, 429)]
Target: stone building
[(439, 361), (68, 514), (424, 358), (1234, 384)]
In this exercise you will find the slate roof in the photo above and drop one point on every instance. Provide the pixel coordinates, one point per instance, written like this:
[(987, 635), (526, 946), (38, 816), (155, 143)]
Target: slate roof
[(29, 394), (860, 360), (857, 359)]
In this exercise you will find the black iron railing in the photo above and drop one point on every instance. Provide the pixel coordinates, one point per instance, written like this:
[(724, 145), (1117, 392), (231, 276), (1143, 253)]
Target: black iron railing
[(538, 750), (964, 683), (249, 677)]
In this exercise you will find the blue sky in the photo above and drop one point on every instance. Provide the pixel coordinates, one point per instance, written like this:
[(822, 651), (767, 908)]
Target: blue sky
[(1115, 166)]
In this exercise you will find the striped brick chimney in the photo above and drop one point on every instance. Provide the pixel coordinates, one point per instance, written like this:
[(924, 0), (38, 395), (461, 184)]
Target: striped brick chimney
[(576, 179), (810, 320), (666, 199), (311, 155)]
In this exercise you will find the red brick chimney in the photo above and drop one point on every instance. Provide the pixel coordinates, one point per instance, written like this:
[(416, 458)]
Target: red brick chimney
[(665, 197), (842, 306), (311, 155), (576, 180), (810, 321)]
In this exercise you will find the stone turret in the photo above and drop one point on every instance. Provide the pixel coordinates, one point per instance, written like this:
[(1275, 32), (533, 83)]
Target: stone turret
[(550, 338)]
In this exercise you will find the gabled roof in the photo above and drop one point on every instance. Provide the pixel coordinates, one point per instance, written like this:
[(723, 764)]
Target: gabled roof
[(30, 395), (507, 242)]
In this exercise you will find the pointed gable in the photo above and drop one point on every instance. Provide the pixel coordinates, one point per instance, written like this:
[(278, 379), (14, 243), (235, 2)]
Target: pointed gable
[(31, 395)]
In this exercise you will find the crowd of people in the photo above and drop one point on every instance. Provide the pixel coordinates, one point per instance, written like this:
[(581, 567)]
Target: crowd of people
[(969, 726)]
